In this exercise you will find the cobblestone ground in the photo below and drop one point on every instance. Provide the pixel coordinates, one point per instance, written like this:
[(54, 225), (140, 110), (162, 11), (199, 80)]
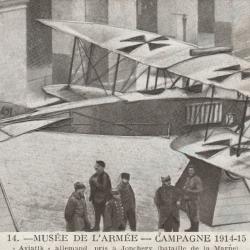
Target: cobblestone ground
[(38, 171)]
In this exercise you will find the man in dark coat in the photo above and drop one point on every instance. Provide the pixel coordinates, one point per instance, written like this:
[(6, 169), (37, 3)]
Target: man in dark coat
[(114, 213), (76, 210), (100, 187), (192, 189), (128, 201), (167, 202)]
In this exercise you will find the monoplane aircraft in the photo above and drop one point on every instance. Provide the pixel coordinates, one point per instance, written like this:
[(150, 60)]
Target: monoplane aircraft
[(169, 87)]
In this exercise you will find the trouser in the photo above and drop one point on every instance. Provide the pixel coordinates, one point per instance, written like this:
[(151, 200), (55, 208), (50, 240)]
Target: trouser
[(78, 223), (99, 209), (171, 224), (192, 208), (115, 229), (130, 217)]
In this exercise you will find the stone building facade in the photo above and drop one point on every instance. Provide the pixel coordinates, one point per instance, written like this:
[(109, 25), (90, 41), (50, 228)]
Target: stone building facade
[(13, 73)]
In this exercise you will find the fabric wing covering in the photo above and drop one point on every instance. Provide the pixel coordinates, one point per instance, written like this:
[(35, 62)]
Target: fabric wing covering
[(217, 149), (63, 107), (222, 70), (20, 128)]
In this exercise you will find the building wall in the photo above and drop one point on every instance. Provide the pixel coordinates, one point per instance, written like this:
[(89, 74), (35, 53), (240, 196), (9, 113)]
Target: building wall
[(128, 17), (241, 28), (13, 60), (171, 24), (96, 11), (231, 25), (147, 15), (166, 24), (206, 16), (39, 37), (223, 22)]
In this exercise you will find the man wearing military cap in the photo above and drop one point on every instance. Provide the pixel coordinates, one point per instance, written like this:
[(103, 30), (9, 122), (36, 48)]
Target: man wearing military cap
[(128, 200), (114, 213), (75, 213), (167, 201), (100, 187)]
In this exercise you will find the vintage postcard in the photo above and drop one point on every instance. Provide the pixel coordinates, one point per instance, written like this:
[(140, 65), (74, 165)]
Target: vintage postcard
[(125, 116)]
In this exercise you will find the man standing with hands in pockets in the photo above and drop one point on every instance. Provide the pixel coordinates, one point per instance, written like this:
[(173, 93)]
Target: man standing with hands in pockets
[(100, 191)]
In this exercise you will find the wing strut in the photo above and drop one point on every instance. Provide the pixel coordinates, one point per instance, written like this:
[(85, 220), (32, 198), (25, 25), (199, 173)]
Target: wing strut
[(209, 112), (72, 61), (175, 81), (187, 84), (91, 64), (242, 126), (148, 76), (156, 78), (106, 71), (129, 77), (165, 79), (128, 87), (116, 73), (80, 53), (89, 61)]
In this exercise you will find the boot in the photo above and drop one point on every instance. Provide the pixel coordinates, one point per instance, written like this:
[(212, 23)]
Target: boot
[(196, 227), (95, 229), (191, 227)]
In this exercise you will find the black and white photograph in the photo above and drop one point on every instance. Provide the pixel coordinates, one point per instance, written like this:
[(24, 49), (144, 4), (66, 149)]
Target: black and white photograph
[(125, 115)]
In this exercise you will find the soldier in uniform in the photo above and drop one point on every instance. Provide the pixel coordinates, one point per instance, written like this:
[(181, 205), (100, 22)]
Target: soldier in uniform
[(167, 202), (128, 200), (100, 187), (192, 189), (114, 213), (76, 210)]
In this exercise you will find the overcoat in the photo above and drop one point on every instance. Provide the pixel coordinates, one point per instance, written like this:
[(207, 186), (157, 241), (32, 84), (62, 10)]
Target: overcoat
[(114, 216), (127, 196), (76, 214), (165, 199)]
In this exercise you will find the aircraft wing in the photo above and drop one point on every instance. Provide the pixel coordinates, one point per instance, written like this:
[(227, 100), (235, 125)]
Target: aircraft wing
[(15, 129), (222, 70), (61, 108), (21, 124), (219, 150), (145, 47), (162, 52)]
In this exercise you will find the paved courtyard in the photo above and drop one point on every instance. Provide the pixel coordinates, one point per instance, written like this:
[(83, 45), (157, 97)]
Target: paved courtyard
[(38, 171)]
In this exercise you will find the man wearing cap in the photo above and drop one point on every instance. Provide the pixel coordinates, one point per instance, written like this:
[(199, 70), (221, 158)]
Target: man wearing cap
[(128, 200), (192, 189), (167, 202), (100, 187), (76, 210), (114, 213)]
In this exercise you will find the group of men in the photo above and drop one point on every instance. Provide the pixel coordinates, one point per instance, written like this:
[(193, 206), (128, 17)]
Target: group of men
[(168, 200), (117, 206)]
